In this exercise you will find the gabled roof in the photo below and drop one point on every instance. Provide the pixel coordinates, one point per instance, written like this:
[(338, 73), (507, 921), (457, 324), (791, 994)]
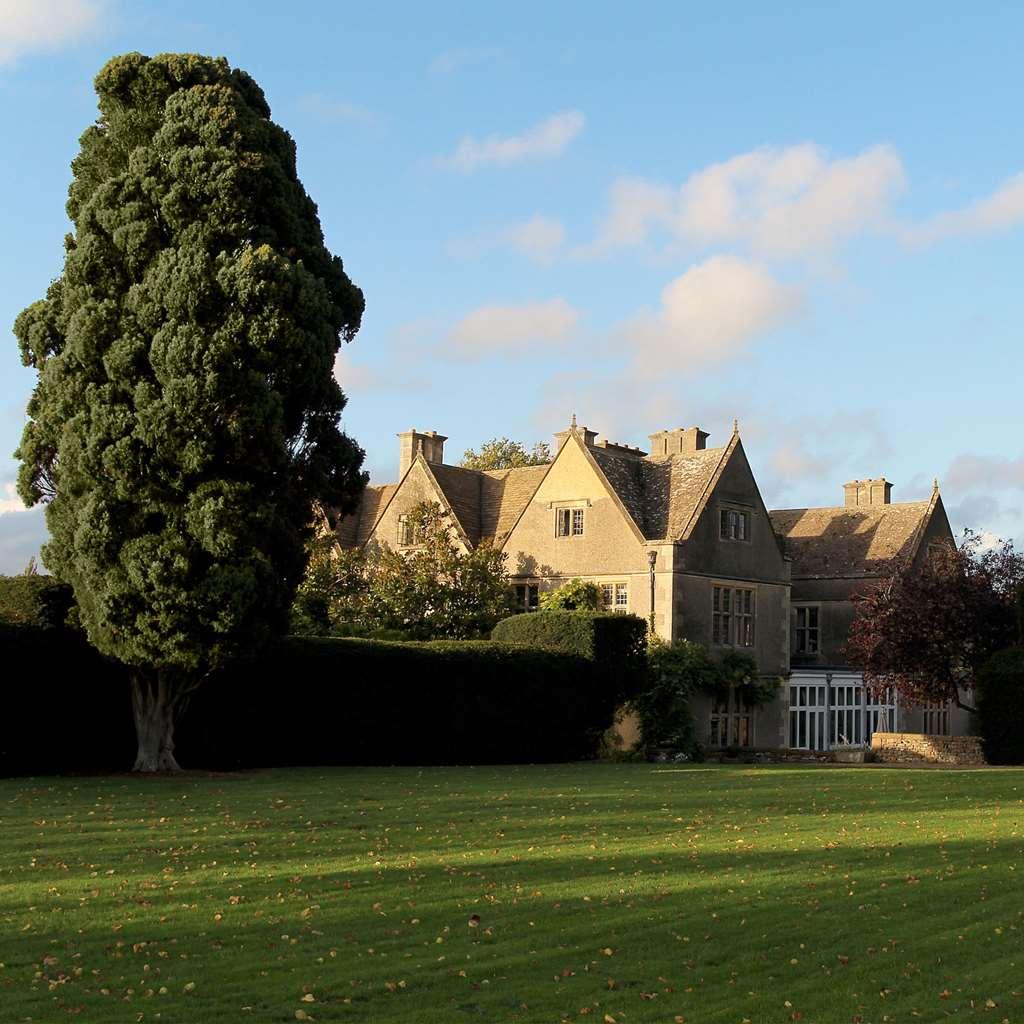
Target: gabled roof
[(360, 524), (664, 495), (461, 490), (484, 503), (504, 495), (849, 542)]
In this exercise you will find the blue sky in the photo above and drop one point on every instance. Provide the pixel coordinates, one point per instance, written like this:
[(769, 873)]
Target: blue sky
[(809, 217)]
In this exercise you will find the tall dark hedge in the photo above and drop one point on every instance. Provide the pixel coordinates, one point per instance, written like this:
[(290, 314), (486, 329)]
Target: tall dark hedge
[(311, 701), (349, 701), (65, 707), (186, 414), (1000, 706), (613, 642)]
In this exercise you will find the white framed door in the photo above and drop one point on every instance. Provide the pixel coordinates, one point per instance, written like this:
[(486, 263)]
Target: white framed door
[(807, 704)]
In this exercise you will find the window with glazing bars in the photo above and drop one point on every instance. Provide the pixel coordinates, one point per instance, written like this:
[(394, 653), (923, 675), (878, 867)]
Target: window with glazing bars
[(807, 630), (732, 617)]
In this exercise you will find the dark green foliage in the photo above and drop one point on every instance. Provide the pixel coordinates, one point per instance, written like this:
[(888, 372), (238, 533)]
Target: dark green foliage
[(614, 643), (1000, 704), (351, 701), (65, 707), (186, 415), (39, 601), (312, 701)]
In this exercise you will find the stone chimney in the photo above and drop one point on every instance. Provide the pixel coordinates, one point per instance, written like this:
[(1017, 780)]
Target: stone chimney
[(679, 441), (867, 493), (589, 436), (620, 449), (411, 443)]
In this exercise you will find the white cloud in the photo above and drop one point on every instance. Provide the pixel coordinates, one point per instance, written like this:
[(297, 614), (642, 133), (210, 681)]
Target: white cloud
[(792, 461), (635, 205), (21, 537), (1002, 210), (326, 108), (549, 138), (31, 25), (709, 314), (492, 330), (539, 238), (351, 376), (989, 541), (454, 60), (10, 502), (793, 202), (987, 472)]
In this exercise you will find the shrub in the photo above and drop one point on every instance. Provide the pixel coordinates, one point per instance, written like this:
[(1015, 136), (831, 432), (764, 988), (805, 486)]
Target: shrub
[(675, 673), (613, 642), (574, 596), (1000, 705), (34, 600)]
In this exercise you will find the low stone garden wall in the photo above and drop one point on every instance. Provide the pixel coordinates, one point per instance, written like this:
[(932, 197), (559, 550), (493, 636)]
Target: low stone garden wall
[(915, 746)]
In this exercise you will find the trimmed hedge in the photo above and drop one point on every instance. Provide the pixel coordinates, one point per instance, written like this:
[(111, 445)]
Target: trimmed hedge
[(65, 707), (608, 638), (311, 701), (1000, 704), (353, 701), (34, 601)]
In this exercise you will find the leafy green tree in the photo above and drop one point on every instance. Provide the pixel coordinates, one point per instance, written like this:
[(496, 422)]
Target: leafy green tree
[(435, 590), (575, 595), (501, 453), (186, 415)]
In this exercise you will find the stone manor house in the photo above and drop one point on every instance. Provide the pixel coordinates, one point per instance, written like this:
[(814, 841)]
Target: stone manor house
[(681, 532)]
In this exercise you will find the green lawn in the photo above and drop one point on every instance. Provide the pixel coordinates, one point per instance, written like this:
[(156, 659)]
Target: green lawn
[(605, 892)]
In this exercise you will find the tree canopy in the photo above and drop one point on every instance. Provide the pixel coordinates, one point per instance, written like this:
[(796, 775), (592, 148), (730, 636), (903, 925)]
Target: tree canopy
[(186, 415), (432, 591), (928, 628), (501, 453)]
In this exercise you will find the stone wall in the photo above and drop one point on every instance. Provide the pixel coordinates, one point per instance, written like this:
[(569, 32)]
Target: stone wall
[(915, 746)]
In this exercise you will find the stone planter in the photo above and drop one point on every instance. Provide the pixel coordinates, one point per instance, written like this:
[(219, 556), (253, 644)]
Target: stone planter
[(852, 756)]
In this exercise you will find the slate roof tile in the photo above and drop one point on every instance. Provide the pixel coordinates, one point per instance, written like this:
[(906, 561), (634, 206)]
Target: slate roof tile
[(843, 542)]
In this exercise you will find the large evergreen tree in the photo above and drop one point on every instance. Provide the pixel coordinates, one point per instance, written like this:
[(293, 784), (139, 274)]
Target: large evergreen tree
[(186, 415)]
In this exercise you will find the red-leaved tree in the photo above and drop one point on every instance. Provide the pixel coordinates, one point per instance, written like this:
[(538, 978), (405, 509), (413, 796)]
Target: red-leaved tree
[(927, 628)]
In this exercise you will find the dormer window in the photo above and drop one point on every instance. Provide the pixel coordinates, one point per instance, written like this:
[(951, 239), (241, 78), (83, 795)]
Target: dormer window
[(734, 524), (568, 522)]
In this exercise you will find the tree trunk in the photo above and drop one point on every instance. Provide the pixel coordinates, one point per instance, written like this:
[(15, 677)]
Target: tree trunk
[(156, 703)]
